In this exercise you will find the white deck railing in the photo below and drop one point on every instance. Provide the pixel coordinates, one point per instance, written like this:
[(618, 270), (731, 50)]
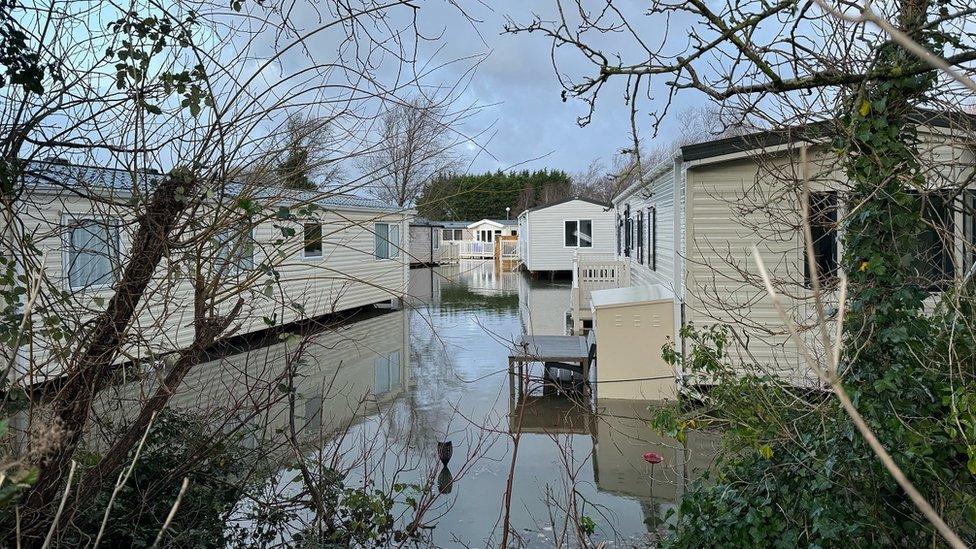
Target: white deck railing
[(594, 272), (475, 249), (449, 252), (509, 249)]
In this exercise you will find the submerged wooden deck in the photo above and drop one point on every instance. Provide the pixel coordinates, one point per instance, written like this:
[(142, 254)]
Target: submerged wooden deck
[(571, 353)]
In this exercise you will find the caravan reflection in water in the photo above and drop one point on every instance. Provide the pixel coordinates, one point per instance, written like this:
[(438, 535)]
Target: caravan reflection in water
[(381, 392)]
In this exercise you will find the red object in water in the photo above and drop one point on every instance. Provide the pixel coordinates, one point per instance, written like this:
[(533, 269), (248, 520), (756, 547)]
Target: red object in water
[(653, 458)]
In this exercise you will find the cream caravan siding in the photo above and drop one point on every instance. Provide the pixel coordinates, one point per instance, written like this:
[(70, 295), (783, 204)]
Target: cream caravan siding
[(421, 251), (346, 276), (658, 193), (725, 222), (722, 281), (544, 227)]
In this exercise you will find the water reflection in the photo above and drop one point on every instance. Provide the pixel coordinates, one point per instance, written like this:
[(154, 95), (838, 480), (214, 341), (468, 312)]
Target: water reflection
[(622, 438), (385, 389), (343, 375), (567, 447), (543, 307)]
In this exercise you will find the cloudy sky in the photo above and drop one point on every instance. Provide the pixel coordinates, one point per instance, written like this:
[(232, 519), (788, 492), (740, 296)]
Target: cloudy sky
[(530, 126)]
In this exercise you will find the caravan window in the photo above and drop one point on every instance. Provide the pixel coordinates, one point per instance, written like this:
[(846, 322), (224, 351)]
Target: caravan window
[(235, 249), (578, 233), (640, 237), (93, 253), (451, 235), (628, 227), (969, 227), (313, 240), (823, 230), (387, 240), (934, 258)]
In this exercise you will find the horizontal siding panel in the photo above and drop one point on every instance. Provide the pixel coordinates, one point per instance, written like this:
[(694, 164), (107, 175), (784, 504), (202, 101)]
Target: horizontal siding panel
[(659, 194), (347, 276)]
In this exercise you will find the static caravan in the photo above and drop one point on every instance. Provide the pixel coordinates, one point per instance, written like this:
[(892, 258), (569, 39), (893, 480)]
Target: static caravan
[(486, 230), (476, 240), (282, 255), (551, 236), (690, 226), (425, 242), (646, 226), (455, 231)]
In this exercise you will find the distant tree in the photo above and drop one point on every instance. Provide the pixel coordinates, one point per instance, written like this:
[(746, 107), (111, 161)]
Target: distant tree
[(467, 196), (307, 162), (415, 147), (605, 180)]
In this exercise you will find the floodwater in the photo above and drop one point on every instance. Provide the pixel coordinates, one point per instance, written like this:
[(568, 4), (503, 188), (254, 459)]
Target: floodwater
[(462, 319), (377, 394)]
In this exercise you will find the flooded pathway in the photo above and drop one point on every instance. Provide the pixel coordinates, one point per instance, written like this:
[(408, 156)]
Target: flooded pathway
[(377, 394), (570, 461)]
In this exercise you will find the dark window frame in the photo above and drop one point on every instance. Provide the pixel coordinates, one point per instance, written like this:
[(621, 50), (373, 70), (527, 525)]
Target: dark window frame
[(576, 233), (823, 211), (969, 227), (580, 232), (945, 263), (628, 227), (570, 234), (652, 219), (640, 237), (305, 240)]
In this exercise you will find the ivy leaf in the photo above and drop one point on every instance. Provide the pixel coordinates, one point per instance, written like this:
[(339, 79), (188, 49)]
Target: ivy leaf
[(865, 108)]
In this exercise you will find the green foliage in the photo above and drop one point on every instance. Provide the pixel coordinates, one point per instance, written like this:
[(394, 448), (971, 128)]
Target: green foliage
[(15, 477), (360, 516), (472, 197), (294, 169), (23, 63), (795, 470), (217, 468), (588, 525), (224, 505), (45, 322), (143, 36)]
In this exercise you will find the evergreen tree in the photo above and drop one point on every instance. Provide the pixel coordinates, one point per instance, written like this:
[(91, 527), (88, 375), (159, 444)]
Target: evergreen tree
[(477, 196)]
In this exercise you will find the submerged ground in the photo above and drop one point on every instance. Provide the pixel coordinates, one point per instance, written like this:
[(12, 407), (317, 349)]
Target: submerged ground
[(374, 396)]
